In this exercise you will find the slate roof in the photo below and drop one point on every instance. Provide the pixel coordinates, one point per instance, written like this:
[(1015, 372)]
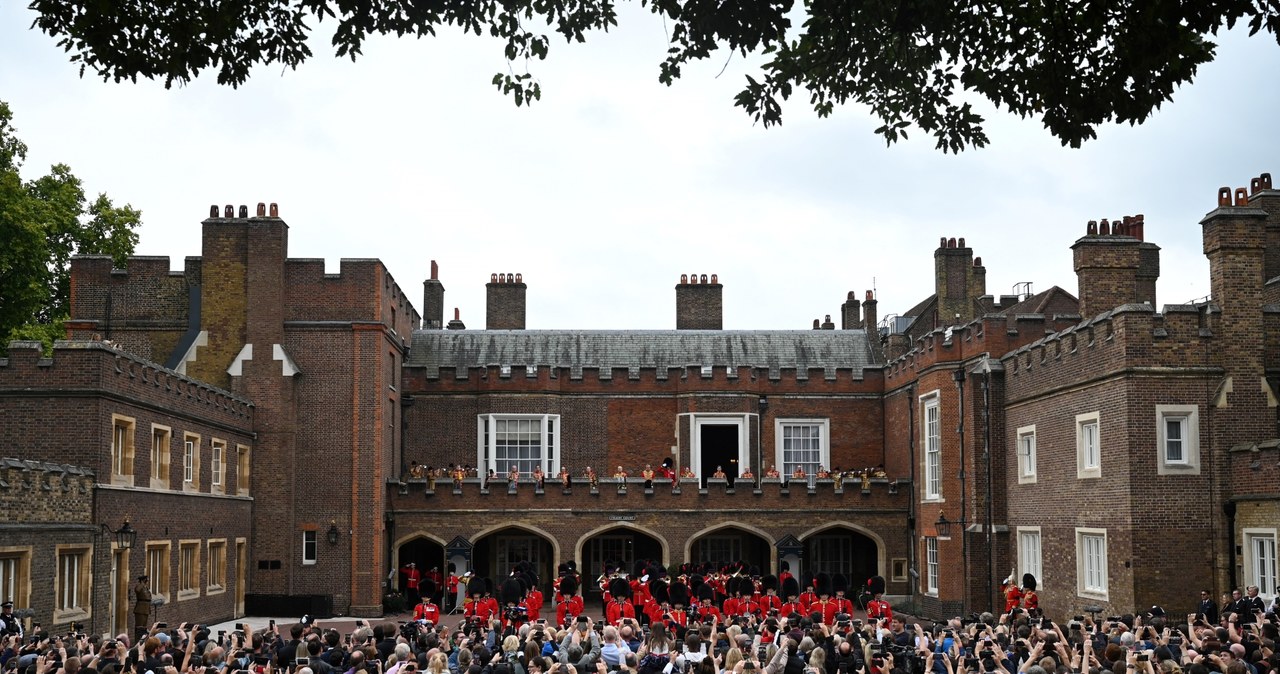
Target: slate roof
[(641, 349)]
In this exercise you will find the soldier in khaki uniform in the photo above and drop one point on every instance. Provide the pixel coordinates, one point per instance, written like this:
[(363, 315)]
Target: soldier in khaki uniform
[(141, 605)]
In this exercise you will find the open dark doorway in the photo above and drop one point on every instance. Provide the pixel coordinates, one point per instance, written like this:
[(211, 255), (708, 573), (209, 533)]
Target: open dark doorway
[(426, 555), (719, 450)]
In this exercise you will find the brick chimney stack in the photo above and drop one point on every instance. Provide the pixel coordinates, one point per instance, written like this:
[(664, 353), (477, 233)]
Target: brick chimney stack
[(433, 300), (958, 281), (504, 302), (851, 313), (699, 303), (1263, 195), (1115, 266), (869, 312)]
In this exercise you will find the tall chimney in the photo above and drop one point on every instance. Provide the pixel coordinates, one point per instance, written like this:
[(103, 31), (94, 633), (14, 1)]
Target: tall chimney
[(957, 282), (1114, 266), (504, 302), (699, 303), (869, 314), (1262, 194), (433, 300), (851, 313)]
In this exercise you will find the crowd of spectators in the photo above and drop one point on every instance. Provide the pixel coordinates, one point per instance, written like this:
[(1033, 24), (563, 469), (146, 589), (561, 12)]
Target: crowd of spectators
[(1017, 642)]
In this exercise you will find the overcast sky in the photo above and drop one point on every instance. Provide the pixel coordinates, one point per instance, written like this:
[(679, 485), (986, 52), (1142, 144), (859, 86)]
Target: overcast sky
[(613, 185)]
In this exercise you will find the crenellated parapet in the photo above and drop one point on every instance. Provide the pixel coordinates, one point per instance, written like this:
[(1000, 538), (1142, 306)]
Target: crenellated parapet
[(312, 294), (98, 366), (1129, 336), (993, 334), (586, 379)]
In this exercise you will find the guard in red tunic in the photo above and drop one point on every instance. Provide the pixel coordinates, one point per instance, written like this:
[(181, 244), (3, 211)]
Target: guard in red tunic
[(878, 608), (769, 600), (1030, 600), (843, 605), (808, 596), (534, 599), (426, 609), (659, 601), (478, 607), (824, 606), (784, 572), (413, 578), (1012, 593), (707, 610), (679, 594), (513, 612), (791, 590), (570, 605), (451, 588), (620, 605)]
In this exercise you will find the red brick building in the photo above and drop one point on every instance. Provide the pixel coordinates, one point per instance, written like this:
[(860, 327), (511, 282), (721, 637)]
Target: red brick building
[(1104, 445)]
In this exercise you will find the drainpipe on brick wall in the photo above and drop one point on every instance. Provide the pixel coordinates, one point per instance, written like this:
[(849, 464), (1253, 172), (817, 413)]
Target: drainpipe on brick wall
[(964, 497), (911, 495), (986, 457)]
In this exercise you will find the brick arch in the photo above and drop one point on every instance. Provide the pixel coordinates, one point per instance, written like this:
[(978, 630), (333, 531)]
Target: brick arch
[(582, 540), (734, 524), (515, 524), (881, 551)]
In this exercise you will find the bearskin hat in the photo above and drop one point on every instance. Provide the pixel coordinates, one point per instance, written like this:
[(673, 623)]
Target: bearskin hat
[(453, 568), (640, 568), (619, 588), (840, 583), (875, 585), (823, 585), (784, 566), (476, 586), (790, 587), (512, 590), (427, 588), (769, 582), (706, 592), (573, 565), (1028, 581), (569, 585), (679, 594), (808, 581), (658, 590)]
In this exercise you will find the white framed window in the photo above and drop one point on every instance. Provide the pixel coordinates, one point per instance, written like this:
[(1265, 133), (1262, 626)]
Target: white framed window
[(931, 565), (1178, 439), (1026, 454), (526, 441), (1088, 446), (218, 453), (1029, 559), (1260, 561), (1091, 563), (190, 461), (931, 419), (309, 547), (122, 429), (803, 443)]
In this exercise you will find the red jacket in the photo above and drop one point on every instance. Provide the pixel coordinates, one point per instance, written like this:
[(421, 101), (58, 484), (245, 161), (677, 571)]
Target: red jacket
[(568, 609), (617, 610)]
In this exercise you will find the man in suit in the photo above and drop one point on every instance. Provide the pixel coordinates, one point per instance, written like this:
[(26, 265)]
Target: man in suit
[(1208, 609)]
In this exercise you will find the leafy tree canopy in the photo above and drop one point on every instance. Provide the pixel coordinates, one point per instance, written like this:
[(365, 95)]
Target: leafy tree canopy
[(1073, 64), (43, 222)]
